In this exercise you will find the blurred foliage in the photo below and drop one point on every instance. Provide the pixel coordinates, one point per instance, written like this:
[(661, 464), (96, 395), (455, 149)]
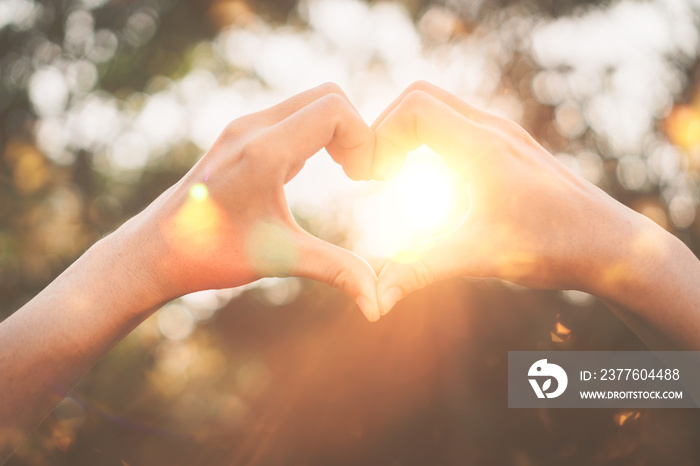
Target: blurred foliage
[(289, 372)]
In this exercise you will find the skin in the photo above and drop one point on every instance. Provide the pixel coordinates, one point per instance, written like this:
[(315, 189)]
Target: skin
[(185, 241), (227, 223), (534, 223)]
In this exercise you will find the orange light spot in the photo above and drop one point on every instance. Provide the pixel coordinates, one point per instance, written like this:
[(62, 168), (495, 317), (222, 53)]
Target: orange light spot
[(624, 417), (556, 338), (196, 230), (30, 172), (683, 126), (224, 13), (560, 329)]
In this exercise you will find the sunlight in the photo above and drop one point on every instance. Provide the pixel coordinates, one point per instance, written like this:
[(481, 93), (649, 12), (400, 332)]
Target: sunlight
[(197, 227), (426, 199), (422, 192), (199, 192)]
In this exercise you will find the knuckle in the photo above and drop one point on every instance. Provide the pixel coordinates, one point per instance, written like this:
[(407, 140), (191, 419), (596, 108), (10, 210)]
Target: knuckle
[(509, 135), (330, 88), (514, 129), (409, 277), (233, 129), (523, 135), (507, 128), (334, 107), (339, 278), (420, 274), (420, 85), (335, 103), (414, 100)]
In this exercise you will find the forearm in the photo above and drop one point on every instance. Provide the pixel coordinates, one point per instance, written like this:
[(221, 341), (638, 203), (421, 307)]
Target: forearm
[(651, 280), (51, 342), (204, 232)]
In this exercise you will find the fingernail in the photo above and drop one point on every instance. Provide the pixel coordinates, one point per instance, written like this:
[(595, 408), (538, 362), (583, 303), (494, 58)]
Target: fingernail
[(389, 298), (368, 309)]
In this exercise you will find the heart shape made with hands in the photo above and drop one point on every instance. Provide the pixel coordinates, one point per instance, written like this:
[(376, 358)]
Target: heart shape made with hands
[(424, 200), (235, 226)]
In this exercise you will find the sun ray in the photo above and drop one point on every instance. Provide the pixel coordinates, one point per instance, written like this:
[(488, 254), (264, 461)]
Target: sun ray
[(423, 201)]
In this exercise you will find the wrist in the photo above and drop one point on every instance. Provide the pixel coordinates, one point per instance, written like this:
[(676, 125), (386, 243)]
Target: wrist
[(633, 256), (650, 282), (133, 259)]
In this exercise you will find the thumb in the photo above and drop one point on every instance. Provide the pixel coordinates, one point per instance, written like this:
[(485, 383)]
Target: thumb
[(340, 268), (431, 261)]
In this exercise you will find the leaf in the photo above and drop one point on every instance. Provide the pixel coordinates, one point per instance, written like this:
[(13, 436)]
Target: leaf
[(546, 385)]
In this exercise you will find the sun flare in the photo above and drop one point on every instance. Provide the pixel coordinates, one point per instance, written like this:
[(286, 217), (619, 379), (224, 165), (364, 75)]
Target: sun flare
[(426, 199), (196, 229)]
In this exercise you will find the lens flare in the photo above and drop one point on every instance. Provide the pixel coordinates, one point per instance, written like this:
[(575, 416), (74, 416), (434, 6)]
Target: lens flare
[(196, 229), (271, 249), (199, 192), (426, 199)]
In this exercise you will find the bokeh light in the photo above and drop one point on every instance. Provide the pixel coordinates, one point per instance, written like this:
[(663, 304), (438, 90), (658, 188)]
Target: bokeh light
[(175, 322), (103, 105)]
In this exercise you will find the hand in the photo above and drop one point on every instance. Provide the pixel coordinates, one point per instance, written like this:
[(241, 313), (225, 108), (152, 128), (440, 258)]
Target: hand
[(227, 223), (531, 221)]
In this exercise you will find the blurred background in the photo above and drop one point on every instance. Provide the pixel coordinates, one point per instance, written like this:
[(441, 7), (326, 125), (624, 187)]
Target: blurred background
[(105, 103)]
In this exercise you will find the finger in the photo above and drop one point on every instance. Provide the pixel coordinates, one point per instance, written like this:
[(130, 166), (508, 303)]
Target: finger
[(295, 103), (330, 122), (280, 248), (458, 104), (420, 119), (434, 260), (340, 268)]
